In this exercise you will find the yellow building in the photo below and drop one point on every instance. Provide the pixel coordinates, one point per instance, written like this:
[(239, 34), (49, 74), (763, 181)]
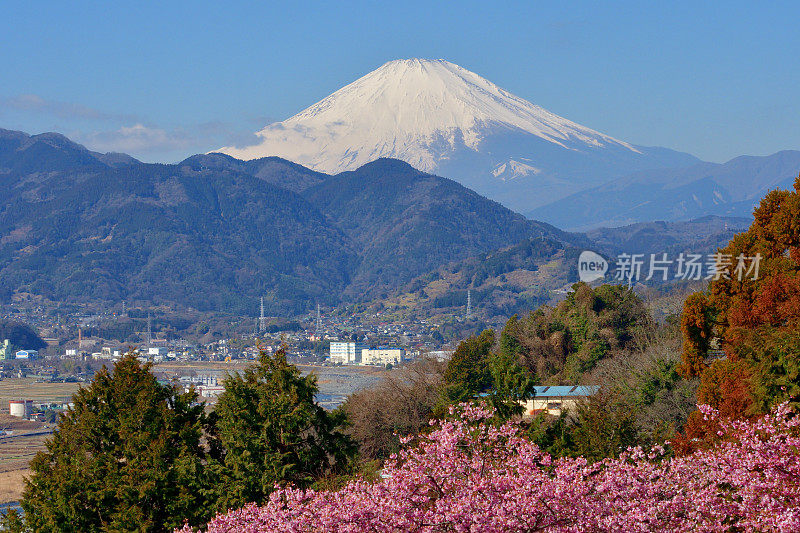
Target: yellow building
[(554, 400)]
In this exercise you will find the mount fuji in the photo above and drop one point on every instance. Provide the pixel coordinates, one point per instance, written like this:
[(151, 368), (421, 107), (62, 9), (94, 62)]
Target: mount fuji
[(444, 119)]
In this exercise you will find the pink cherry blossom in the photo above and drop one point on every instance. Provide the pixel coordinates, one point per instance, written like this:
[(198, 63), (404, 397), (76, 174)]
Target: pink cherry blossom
[(468, 475)]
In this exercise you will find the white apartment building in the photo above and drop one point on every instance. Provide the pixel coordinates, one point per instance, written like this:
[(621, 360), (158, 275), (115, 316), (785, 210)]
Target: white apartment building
[(382, 356), (346, 352)]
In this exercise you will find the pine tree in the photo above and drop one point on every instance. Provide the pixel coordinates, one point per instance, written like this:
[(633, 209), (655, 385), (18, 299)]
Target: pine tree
[(272, 432), (126, 457)]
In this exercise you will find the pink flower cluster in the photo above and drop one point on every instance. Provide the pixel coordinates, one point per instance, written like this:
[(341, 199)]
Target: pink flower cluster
[(467, 475)]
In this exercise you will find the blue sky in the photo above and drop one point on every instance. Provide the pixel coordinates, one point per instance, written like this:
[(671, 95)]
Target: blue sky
[(162, 80)]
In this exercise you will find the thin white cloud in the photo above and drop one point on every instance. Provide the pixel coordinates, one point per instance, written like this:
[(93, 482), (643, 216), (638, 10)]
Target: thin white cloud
[(138, 139), (126, 132), (66, 110)]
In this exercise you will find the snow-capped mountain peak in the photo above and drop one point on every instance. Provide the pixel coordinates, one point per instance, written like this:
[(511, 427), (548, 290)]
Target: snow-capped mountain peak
[(445, 119), (410, 109)]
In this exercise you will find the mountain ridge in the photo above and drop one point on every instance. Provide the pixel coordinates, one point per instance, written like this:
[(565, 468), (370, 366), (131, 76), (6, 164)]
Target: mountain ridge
[(206, 234)]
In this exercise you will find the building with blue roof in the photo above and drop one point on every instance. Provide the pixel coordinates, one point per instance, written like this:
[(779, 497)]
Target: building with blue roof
[(555, 399)]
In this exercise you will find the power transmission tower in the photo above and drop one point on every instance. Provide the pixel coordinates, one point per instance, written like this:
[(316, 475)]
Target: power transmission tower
[(262, 320), (149, 332), (319, 323), (469, 305)]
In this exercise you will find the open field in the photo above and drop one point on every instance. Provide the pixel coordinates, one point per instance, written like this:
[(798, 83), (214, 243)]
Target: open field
[(12, 484), (28, 389), (18, 448), (335, 382), (17, 451)]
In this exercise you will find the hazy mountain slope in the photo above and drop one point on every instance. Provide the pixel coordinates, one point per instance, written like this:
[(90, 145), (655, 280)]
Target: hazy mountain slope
[(701, 235), (406, 222), (23, 153), (444, 119), (729, 189)]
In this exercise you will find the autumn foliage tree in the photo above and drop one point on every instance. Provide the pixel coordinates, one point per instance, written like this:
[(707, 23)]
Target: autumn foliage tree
[(751, 309)]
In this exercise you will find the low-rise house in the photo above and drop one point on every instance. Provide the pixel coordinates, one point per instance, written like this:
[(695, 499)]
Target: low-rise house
[(27, 354), (555, 399)]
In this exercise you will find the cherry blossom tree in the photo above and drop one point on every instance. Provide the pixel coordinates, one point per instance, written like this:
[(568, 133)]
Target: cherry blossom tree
[(469, 475)]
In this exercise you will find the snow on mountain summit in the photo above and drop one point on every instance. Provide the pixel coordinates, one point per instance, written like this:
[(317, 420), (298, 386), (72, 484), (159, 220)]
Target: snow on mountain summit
[(444, 119), (406, 109)]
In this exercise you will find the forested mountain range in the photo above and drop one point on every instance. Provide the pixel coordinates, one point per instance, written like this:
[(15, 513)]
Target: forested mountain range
[(214, 233)]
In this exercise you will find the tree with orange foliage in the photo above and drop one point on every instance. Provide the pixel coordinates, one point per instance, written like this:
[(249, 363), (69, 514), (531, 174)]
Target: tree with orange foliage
[(755, 318)]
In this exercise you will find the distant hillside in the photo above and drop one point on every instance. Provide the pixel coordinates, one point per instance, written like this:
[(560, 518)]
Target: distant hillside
[(729, 189), (20, 335), (214, 233), (21, 153), (538, 270), (513, 279), (405, 222), (701, 235), (273, 170)]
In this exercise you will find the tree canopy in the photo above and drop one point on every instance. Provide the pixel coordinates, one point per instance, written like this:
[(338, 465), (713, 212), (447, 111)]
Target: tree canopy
[(271, 431), (126, 457), (751, 314)]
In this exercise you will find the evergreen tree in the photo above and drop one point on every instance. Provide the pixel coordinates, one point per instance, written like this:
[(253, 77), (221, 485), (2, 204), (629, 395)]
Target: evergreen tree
[(272, 432), (468, 373), (511, 385), (126, 457), (605, 427), (474, 370)]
